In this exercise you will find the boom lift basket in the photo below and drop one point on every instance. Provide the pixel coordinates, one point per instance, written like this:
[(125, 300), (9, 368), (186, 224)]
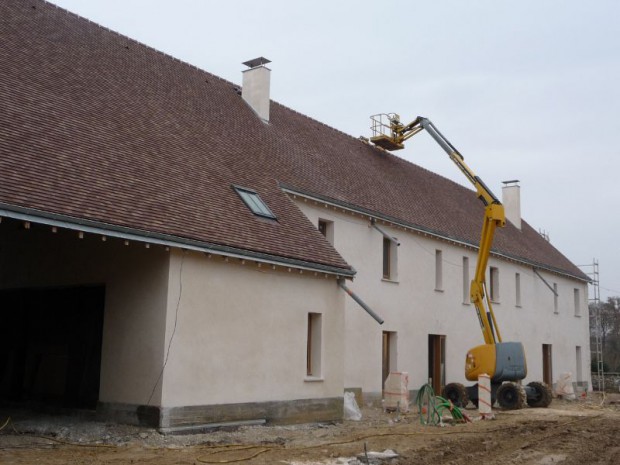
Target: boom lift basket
[(382, 127)]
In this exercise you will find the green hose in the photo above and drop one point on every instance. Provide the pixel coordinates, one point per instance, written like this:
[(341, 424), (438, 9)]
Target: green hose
[(431, 408), (427, 409)]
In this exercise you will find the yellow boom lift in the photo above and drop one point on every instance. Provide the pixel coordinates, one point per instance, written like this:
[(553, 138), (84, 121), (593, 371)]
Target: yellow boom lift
[(503, 361)]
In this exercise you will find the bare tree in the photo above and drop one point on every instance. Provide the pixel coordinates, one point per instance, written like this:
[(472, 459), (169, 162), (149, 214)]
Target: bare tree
[(609, 331)]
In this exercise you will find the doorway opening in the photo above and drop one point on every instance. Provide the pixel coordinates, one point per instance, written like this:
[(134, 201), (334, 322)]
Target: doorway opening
[(579, 370), (50, 346), (437, 361), (547, 365), (388, 358)]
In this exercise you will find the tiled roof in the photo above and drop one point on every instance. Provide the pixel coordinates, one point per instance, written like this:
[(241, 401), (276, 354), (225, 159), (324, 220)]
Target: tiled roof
[(98, 127), (328, 165)]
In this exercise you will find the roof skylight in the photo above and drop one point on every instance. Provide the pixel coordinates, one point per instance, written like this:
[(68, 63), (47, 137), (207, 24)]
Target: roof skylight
[(254, 202)]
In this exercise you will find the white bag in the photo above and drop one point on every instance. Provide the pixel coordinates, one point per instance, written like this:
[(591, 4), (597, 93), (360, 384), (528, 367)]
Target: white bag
[(351, 410), (564, 387)]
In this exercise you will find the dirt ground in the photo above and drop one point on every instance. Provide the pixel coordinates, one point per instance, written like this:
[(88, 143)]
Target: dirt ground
[(584, 431)]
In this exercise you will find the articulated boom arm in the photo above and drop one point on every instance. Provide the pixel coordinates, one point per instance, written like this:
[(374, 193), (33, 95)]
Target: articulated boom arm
[(494, 212)]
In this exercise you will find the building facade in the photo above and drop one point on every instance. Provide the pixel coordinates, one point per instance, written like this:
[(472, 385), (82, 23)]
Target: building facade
[(173, 246), (423, 294)]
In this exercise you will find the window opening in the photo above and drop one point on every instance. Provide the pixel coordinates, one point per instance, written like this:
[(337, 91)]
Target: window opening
[(577, 296), (254, 202), (438, 270), (555, 297), (323, 227), (466, 283), (494, 291), (327, 229), (387, 259), (313, 352), (518, 289), (390, 259)]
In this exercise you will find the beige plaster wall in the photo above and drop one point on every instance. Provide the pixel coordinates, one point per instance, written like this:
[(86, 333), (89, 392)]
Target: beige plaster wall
[(239, 333), (413, 307), (538, 322), (134, 325)]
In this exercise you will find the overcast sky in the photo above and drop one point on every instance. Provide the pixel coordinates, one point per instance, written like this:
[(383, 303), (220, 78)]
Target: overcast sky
[(526, 90)]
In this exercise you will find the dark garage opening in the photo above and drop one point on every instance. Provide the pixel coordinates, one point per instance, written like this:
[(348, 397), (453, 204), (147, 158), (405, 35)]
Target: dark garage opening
[(50, 346)]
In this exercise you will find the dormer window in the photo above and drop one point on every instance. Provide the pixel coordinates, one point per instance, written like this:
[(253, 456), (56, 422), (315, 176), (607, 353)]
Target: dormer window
[(254, 202)]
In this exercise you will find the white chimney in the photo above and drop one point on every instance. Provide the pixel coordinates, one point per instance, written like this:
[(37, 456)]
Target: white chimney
[(255, 89), (511, 198)]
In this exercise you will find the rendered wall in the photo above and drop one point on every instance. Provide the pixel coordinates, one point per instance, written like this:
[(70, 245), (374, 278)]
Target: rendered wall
[(413, 308), (239, 336), (189, 339)]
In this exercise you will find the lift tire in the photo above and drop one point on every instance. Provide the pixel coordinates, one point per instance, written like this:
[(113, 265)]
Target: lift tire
[(542, 396), (510, 396), (455, 393)]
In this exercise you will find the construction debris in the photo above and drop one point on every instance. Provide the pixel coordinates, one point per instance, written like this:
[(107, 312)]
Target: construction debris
[(374, 458), (396, 392)]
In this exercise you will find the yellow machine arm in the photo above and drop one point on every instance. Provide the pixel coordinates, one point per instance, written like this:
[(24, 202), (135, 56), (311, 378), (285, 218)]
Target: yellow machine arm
[(494, 210)]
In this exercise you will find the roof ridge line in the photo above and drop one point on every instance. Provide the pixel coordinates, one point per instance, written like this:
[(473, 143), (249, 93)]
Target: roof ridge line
[(137, 42), (373, 147), (167, 55), (339, 131)]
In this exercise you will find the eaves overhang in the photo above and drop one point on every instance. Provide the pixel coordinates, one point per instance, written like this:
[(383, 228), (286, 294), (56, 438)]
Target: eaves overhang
[(328, 201), (149, 237)]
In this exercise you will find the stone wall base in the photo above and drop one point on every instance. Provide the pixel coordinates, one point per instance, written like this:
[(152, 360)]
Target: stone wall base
[(197, 418)]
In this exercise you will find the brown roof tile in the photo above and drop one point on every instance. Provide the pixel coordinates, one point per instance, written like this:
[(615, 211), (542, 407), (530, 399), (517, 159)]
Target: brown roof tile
[(96, 126), (378, 182)]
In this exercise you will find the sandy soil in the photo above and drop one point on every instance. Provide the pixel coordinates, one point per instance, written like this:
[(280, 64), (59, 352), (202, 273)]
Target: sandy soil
[(578, 432)]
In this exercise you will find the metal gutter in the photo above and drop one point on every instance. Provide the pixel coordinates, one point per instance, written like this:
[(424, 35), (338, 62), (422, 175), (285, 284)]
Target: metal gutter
[(417, 228), (545, 281), (373, 223), (137, 235), (360, 302)]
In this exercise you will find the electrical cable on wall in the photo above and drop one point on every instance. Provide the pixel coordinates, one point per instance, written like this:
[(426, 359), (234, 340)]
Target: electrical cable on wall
[(174, 329)]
